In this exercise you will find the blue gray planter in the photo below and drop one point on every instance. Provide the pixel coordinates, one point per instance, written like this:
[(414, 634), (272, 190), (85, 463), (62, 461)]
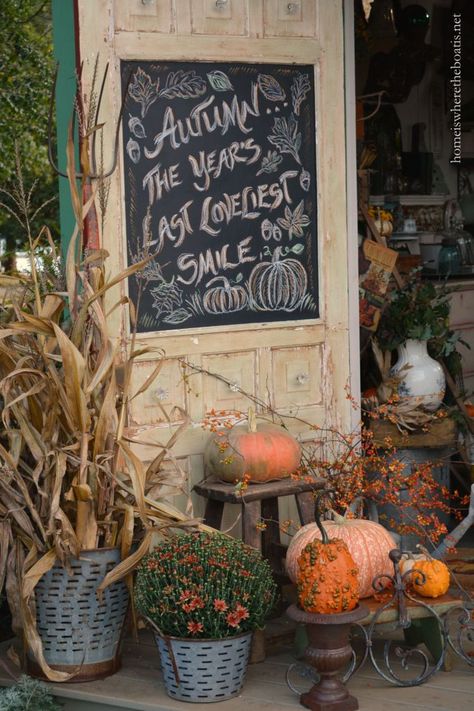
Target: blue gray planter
[(204, 670), (78, 631)]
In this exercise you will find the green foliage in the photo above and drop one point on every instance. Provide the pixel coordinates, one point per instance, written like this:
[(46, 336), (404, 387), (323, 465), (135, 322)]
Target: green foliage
[(419, 310), (28, 695), (205, 586), (26, 70)]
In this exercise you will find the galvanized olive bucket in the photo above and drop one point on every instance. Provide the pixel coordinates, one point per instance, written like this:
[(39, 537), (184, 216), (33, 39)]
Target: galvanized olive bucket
[(78, 632), (204, 670)]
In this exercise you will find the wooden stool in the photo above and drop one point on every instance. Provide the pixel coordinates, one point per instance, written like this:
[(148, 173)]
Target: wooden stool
[(260, 501)]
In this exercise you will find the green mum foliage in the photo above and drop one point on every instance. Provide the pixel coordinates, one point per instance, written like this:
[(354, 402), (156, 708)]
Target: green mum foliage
[(205, 586)]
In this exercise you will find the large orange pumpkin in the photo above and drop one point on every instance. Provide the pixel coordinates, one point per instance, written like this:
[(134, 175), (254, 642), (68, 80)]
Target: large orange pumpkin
[(262, 450), (368, 542), (327, 576)]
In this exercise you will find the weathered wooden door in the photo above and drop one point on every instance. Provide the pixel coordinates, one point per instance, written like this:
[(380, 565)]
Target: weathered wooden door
[(294, 359)]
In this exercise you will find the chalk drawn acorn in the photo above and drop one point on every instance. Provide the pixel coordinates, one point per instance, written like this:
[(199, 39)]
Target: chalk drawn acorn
[(278, 285), (224, 298)]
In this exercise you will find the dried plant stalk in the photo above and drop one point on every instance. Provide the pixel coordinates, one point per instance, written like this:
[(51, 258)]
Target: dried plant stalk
[(69, 477)]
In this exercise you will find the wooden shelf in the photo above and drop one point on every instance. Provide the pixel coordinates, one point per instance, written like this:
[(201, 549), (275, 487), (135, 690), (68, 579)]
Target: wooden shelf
[(441, 433), (428, 200)]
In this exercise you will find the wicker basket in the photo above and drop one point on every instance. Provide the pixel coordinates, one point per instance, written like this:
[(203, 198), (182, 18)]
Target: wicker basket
[(204, 670), (78, 631)]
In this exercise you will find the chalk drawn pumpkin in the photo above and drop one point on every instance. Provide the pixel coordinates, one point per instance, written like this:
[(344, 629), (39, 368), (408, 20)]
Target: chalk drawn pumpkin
[(225, 298), (278, 285)]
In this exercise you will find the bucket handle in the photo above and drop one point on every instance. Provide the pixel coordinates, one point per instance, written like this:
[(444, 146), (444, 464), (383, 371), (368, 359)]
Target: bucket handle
[(169, 646)]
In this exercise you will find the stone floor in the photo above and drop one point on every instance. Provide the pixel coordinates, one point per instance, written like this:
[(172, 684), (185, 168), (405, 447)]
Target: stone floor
[(138, 686)]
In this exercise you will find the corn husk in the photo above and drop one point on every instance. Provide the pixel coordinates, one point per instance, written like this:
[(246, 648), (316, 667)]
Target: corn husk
[(70, 477)]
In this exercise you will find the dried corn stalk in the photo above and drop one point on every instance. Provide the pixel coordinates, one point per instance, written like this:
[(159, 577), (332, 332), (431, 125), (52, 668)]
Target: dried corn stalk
[(69, 478)]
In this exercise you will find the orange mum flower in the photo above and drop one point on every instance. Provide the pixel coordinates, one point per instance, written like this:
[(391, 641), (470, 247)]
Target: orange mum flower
[(220, 605), (195, 627), (233, 619)]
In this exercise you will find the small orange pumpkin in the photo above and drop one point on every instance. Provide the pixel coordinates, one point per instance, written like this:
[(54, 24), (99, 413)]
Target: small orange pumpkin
[(263, 451), (470, 409), (327, 577), (435, 578)]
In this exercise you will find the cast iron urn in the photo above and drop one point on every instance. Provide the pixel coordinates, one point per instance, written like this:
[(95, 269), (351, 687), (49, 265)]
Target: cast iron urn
[(329, 652)]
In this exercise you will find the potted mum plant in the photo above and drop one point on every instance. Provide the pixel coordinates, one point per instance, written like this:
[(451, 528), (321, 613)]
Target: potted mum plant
[(204, 595)]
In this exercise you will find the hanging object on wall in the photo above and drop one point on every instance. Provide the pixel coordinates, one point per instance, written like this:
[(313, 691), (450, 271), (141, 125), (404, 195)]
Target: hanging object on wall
[(399, 70), (381, 19)]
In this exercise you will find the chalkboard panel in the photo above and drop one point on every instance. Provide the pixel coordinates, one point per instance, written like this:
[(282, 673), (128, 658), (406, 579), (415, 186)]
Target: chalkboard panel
[(220, 185)]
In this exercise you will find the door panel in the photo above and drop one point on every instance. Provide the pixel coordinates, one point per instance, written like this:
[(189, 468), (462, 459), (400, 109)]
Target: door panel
[(299, 367)]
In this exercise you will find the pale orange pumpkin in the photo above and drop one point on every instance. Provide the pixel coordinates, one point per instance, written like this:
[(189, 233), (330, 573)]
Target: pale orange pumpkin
[(368, 542), (261, 450)]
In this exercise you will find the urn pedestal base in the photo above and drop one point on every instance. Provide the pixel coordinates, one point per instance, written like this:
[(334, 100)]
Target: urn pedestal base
[(329, 652)]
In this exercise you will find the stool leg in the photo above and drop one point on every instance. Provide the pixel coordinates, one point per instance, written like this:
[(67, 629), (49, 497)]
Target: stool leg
[(271, 535), (213, 513), (251, 515), (427, 630), (305, 506)]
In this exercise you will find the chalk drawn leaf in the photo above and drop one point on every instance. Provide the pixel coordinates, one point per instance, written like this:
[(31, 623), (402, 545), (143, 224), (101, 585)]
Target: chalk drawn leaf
[(294, 220), (300, 87), (143, 90), (285, 136), (185, 85), (270, 88), (219, 81), (178, 316), (136, 127), (297, 248), (167, 296), (270, 162), (133, 150)]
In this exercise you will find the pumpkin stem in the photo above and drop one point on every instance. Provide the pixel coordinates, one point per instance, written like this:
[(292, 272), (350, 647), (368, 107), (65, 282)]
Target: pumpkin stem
[(252, 420), (318, 512), (276, 254), (223, 279), (425, 551), (337, 518)]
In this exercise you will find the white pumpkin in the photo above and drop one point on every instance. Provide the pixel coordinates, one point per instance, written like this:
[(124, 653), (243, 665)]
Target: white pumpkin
[(225, 298), (278, 285)]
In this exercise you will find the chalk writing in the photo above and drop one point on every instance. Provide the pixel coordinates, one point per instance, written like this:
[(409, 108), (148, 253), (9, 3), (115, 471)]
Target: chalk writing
[(220, 185)]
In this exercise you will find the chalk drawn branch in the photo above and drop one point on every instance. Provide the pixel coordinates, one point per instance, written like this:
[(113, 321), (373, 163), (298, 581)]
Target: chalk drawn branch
[(299, 89), (183, 85), (285, 136), (143, 90)]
